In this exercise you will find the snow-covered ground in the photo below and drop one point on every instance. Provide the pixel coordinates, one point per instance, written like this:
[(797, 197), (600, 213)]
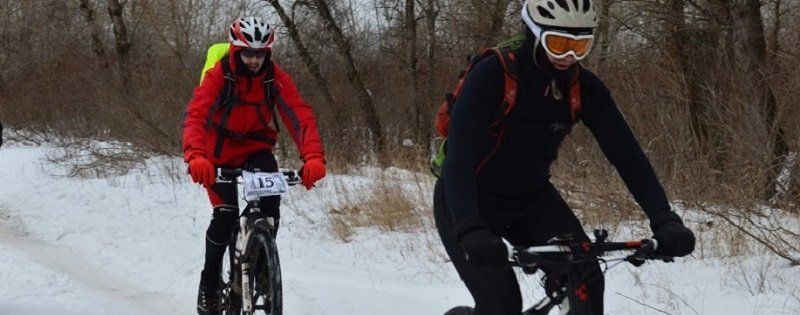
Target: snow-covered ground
[(133, 244)]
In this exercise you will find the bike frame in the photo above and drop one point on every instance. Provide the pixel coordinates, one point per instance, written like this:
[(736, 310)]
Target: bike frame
[(248, 218)]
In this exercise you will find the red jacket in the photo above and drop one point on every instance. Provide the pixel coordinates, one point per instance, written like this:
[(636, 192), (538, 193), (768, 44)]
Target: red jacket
[(297, 116)]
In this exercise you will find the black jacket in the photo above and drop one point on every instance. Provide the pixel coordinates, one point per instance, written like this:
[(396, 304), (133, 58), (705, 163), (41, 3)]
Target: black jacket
[(519, 164)]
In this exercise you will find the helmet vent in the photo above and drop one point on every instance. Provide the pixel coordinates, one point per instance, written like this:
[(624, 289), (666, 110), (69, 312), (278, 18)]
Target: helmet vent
[(544, 13), (248, 37), (551, 6), (586, 6), (258, 34), (563, 5), (575, 2)]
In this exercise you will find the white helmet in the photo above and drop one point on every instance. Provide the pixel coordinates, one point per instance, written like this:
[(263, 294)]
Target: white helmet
[(578, 14), (251, 33)]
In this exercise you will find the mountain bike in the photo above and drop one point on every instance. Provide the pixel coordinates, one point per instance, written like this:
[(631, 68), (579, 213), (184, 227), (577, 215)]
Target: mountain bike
[(251, 277), (561, 256)]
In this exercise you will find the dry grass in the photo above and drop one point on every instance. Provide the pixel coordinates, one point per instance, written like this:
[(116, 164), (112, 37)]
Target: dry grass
[(388, 203)]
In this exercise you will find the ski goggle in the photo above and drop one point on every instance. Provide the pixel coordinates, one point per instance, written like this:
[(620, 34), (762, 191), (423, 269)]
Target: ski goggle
[(251, 53), (560, 45)]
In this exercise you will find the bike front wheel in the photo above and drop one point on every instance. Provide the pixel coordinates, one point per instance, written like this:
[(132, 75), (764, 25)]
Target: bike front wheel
[(231, 284), (266, 276)]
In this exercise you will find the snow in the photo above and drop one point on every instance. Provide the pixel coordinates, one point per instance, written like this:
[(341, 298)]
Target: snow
[(133, 244)]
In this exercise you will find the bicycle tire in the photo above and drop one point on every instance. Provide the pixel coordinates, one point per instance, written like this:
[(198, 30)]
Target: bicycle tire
[(231, 299), (265, 278)]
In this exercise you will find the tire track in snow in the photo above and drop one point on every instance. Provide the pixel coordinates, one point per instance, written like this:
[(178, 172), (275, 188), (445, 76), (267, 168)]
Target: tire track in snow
[(79, 268)]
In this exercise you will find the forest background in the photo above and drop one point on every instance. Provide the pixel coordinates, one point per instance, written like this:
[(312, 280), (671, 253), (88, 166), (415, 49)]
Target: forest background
[(710, 88)]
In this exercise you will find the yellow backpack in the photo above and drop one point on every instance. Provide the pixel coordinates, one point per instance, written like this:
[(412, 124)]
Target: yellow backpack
[(215, 53)]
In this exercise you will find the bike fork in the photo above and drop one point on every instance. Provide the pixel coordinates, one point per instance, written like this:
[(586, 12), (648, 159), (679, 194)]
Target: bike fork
[(241, 246)]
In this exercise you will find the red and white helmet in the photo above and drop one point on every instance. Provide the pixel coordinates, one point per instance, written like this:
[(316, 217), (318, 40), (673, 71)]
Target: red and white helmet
[(251, 32)]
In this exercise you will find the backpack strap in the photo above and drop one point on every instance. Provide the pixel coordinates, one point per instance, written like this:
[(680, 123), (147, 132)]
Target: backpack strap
[(508, 61), (223, 101), (226, 96), (270, 94), (575, 102)]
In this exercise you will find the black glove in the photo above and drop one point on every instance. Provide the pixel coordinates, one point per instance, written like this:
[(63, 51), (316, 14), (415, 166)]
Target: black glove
[(480, 245), (674, 239)]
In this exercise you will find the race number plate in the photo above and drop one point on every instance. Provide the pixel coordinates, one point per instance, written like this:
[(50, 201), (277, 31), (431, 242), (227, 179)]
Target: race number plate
[(260, 184)]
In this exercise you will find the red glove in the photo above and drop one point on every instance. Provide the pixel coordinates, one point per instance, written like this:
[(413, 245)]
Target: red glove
[(312, 171), (202, 171)]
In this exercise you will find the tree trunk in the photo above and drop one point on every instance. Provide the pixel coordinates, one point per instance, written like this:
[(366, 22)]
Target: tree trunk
[(748, 29), (692, 47), (123, 47), (776, 29), (122, 43), (677, 39), (95, 33), (431, 14), (604, 33), (180, 33), (497, 18), (413, 72), (311, 64), (365, 100)]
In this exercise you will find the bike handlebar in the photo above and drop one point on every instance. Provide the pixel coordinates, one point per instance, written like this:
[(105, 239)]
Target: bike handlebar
[(292, 176), (566, 251)]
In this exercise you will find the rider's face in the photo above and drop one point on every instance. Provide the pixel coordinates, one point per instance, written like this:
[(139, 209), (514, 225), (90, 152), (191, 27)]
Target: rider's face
[(562, 63), (253, 61)]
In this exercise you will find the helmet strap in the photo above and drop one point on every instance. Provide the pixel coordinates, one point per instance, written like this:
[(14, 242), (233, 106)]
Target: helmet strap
[(536, 44)]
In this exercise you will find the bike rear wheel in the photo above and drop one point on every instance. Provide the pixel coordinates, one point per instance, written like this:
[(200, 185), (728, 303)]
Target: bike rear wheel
[(265, 277)]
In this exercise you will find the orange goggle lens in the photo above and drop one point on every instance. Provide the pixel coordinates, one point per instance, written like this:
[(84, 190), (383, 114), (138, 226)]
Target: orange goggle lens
[(560, 45)]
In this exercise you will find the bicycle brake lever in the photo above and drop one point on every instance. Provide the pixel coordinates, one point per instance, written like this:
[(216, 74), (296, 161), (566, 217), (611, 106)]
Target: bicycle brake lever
[(648, 252), (516, 257), (511, 251)]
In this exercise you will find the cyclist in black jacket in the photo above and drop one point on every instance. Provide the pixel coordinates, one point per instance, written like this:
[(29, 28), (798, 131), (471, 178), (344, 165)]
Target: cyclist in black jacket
[(496, 184)]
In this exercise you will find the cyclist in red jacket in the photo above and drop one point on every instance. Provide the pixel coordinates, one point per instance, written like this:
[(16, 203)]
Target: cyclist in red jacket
[(232, 122)]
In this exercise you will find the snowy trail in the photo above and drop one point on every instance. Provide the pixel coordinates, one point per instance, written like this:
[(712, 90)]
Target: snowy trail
[(119, 294), (133, 244)]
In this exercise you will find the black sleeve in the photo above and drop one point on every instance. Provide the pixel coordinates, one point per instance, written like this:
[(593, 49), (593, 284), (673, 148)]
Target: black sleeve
[(467, 138), (605, 121)]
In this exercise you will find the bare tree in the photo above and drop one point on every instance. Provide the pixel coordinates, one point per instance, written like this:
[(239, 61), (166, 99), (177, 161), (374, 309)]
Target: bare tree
[(497, 16), (122, 43), (494, 12), (677, 46), (366, 102), (774, 40), (604, 32), (431, 14), (95, 33), (413, 72), (311, 64), (748, 30)]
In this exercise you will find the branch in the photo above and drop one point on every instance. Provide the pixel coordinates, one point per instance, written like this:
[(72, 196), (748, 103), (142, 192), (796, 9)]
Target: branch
[(767, 244), (642, 304)]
